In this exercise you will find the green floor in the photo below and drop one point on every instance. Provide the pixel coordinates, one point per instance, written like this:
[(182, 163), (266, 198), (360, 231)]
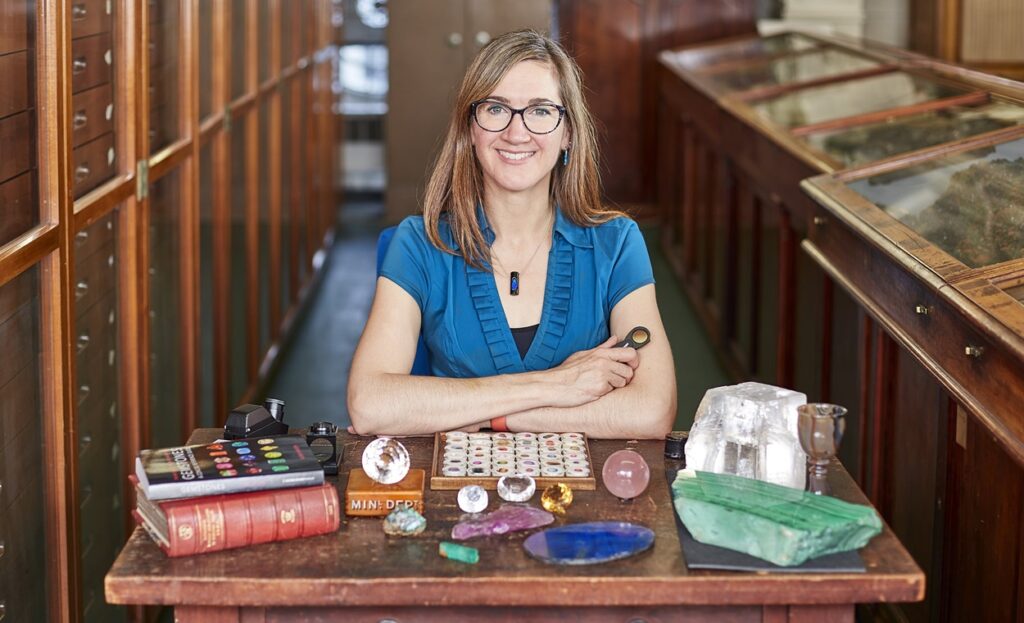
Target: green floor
[(313, 374)]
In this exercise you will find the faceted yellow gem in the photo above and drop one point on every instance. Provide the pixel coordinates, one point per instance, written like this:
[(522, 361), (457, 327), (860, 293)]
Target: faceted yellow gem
[(556, 498)]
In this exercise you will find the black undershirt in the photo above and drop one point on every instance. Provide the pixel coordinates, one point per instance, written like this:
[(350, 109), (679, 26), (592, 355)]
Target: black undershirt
[(524, 337)]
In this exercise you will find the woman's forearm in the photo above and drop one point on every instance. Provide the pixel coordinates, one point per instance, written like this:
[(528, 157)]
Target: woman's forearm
[(631, 412), (400, 404)]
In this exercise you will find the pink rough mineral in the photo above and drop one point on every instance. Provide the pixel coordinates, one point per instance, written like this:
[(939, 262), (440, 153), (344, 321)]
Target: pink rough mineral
[(625, 474), (507, 518)]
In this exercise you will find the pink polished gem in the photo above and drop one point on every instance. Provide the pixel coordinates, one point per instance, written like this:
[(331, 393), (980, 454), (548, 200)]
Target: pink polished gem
[(626, 474)]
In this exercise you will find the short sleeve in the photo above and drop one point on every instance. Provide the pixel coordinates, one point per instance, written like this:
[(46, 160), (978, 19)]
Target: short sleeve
[(406, 260), (632, 267)]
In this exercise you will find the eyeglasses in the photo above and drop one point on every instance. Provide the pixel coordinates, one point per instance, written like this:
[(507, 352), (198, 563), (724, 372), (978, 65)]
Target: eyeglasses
[(538, 119)]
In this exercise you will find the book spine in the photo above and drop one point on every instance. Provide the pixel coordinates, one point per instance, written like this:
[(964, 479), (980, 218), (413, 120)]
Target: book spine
[(218, 486), (225, 522)]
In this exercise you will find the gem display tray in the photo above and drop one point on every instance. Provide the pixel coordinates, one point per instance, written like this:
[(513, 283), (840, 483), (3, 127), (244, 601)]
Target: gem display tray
[(462, 459)]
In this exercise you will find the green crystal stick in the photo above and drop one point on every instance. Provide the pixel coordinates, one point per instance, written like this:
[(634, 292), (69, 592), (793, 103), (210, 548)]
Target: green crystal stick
[(462, 553), (781, 525)]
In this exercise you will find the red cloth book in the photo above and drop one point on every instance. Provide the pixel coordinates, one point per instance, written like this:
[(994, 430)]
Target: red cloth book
[(219, 522)]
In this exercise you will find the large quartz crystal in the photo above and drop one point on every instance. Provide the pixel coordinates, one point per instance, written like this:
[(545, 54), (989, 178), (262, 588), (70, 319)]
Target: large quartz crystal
[(749, 430), (777, 524), (508, 518), (386, 460)]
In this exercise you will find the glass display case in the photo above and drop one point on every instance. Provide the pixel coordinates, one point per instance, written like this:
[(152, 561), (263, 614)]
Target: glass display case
[(849, 98), (970, 204), (94, 157), (18, 188), (750, 49), (809, 65), (859, 144)]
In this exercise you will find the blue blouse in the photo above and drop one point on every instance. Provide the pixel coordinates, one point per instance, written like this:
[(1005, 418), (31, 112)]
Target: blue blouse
[(590, 269)]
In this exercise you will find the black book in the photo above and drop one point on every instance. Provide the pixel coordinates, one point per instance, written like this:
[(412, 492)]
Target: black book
[(232, 466)]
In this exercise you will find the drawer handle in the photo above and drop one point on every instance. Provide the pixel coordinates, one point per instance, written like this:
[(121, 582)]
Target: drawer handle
[(820, 220), (78, 11), (83, 393), (79, 65), (82, 172), (82, 236), (84, 443), (83, 341), (3, 610), (79, 120), (81, 288), (922, 310), (3, 549), (974, 352)]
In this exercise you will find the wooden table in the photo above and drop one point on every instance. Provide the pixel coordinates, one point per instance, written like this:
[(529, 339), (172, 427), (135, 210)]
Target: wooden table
[(360, 574)]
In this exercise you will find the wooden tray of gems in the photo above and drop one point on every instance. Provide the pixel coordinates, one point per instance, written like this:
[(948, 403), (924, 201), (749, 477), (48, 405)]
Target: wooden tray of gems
[(462, 459)]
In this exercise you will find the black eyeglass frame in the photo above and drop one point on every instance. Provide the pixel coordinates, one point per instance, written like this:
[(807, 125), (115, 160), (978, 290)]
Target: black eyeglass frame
[(516, 111)]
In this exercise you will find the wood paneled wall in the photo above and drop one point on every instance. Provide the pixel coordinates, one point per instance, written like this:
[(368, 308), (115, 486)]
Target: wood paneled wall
[(616, 44), (149, 148)]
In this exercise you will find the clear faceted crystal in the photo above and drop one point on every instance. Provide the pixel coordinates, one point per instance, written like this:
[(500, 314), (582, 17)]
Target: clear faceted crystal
[(472, 499), (749, 430), (516, 488), (386, 460)]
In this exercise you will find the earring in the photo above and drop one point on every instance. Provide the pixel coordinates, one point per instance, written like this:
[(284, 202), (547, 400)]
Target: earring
[(565, 157)]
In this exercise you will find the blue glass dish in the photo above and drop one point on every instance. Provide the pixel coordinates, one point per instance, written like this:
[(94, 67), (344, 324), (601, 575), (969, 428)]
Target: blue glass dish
[(589, 543)]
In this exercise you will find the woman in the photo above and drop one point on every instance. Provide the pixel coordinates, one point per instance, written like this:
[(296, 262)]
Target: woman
[(520, 280)]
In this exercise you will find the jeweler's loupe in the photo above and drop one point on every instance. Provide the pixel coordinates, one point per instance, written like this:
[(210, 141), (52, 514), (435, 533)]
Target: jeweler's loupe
[(638, 337)]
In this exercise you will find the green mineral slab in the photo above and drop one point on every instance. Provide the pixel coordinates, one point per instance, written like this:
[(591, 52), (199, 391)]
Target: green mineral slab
[(781, 525)]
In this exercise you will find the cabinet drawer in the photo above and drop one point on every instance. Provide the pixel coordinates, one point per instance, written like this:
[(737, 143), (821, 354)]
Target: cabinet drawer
[(96, 329), (17, 138), (945, 336), (92, 114), (94, 278), (14, 77), (14, 21), (90, 17), (93, 237), (91, 60), (93, 164), (18, 202)]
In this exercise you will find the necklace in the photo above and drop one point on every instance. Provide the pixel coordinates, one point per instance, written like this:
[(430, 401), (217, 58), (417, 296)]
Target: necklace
[(513, 276)]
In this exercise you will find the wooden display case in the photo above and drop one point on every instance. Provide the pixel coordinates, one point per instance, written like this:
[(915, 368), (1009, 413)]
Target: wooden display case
[(882, 309), (106, 160)]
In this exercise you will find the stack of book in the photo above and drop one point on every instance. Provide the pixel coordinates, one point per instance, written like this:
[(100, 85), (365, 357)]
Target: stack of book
[(207, 498)]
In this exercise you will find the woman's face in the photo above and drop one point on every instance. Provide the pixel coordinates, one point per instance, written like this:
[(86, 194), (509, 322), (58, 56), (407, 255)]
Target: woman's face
[(515, 159)]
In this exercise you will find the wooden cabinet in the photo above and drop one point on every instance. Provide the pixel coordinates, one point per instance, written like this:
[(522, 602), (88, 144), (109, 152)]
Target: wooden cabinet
[(99, 258), (430, 45), (616, 45), (891, 286)]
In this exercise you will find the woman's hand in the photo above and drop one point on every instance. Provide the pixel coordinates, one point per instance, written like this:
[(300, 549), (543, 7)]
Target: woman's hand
[(589, 374)]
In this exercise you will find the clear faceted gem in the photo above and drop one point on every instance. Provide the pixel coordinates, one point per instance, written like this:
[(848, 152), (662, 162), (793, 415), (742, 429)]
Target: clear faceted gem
[(386, 460), (516, 488), (472, 499)]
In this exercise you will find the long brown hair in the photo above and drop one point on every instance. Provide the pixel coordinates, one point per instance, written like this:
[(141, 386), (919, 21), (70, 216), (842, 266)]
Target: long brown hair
[(456, 182)]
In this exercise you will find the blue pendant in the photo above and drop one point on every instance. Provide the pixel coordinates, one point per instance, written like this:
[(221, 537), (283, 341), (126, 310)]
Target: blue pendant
[(513, 283), (589, 543)]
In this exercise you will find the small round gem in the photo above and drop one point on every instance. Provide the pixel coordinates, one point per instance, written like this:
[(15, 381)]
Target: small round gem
[(386, 460), (472, 499), (625, 474), (456, 434), (454, 471), (552, 471), (516, 488), (556, 498)]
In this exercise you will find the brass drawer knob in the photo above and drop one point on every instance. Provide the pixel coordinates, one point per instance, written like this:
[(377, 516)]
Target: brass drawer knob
[(79, 65), (974, 351), (820, 220), (922, 310), (82, 173), (81, 288), (83, 341), (79, 120), (79, 11)]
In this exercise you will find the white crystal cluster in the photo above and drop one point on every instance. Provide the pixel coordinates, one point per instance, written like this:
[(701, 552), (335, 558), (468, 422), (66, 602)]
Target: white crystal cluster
[(749, 430)]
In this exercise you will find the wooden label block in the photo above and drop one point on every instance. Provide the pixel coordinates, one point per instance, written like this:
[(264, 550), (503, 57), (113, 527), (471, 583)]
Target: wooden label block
[(367, 498)]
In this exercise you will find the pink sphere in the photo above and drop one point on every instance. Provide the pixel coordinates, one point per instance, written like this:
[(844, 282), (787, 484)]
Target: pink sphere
[(626, 474)]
